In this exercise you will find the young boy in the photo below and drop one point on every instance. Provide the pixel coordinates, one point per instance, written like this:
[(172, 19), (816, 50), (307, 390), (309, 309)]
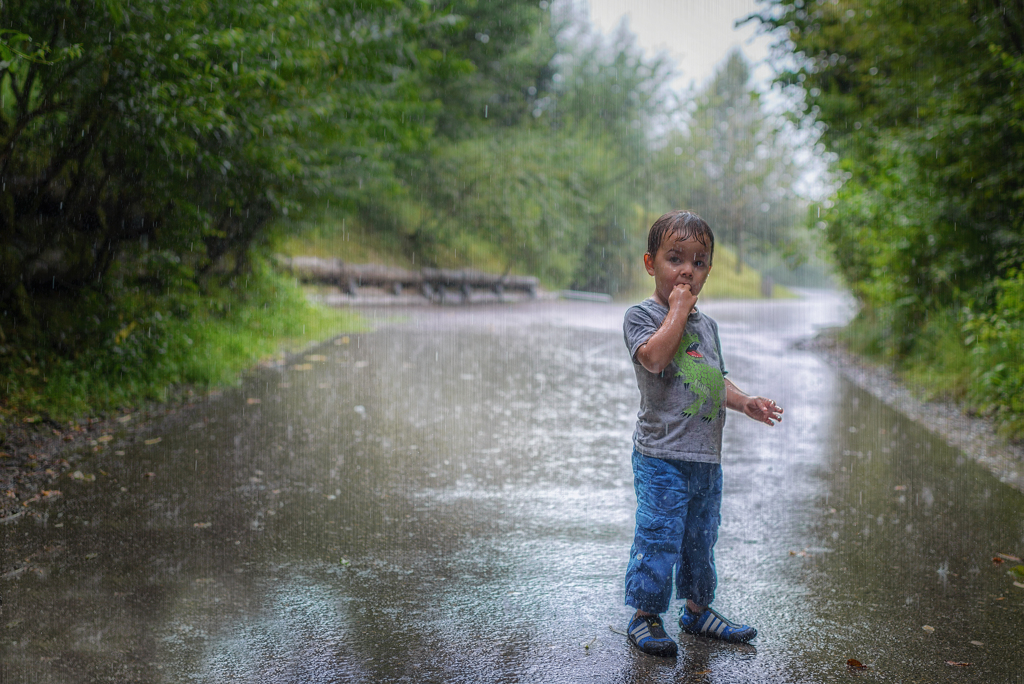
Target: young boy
[(677, 444)]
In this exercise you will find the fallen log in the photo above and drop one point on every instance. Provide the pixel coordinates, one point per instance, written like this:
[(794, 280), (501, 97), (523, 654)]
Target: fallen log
[(432, 282)]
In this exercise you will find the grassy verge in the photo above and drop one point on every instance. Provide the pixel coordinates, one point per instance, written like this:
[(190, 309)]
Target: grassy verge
[(350, 242), (184, 344), (334, 236), (937, 366)]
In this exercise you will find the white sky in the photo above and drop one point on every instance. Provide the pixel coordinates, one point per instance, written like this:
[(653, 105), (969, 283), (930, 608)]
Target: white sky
[(698, 34)]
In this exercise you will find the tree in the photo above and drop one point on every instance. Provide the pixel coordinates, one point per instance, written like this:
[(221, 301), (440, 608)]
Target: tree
[(148, 146), (732, 164), (921, 107)]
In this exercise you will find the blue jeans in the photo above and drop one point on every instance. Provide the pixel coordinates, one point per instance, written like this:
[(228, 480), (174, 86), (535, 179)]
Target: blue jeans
[(678, 511)]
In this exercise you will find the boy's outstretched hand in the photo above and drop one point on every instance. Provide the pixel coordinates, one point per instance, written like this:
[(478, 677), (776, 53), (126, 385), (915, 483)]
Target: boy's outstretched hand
[(762, 410)]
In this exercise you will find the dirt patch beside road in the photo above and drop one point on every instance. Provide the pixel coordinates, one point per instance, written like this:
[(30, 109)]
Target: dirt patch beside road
[(35, 456)]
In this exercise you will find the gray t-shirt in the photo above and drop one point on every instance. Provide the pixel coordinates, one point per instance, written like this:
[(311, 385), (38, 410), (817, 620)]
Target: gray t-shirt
[(682, 409)]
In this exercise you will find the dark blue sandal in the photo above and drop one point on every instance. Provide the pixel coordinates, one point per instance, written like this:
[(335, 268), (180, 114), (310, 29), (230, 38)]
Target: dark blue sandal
[(646, 633), (713, 624)]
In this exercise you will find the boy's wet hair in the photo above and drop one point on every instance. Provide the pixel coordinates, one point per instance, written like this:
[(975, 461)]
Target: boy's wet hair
[(683, 225)]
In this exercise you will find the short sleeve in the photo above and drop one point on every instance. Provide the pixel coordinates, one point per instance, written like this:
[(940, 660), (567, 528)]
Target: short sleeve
[(721, 357), (637, 328)]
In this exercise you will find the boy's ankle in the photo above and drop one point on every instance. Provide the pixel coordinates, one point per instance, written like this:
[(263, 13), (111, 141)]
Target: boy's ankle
[(693, 607)]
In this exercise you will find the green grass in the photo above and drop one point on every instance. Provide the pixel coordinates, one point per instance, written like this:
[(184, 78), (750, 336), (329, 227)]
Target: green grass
[(938, 366), (337, 237), (975, 363), (357, 245), (189, 343)]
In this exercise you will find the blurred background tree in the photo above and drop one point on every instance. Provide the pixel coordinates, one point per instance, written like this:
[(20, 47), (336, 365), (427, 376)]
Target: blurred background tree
[(153, 156), (920, 104)]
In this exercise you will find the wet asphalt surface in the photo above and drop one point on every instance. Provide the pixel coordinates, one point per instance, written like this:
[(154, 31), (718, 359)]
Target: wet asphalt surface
[(449, 499)]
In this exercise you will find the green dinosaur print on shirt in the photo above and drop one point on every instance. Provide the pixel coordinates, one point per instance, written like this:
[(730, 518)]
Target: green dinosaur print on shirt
[(706, 382)]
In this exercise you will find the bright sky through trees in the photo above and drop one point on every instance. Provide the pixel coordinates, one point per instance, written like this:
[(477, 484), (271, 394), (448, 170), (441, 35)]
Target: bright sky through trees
[(697, 34)]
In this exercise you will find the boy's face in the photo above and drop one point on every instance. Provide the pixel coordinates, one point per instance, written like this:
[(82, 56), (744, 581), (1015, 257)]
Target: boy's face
[(678, 262)]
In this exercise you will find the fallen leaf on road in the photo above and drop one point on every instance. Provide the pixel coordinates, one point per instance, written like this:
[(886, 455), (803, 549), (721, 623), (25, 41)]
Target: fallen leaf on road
[(997, 560), (1017, 570), (956, 663), (148, 474), (977, 643), (928, 628), (900, 488), (202, 525), (78, 475), (341, 340), (302, 367), (316, 357), (1018, 585), (1008, 557), (855, 664), (155, 440), (90, 556), (104, 438), (252, 400), (48, 493), (124, 419)]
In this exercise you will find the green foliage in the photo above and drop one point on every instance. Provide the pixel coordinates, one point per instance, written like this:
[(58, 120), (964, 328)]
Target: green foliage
[(155, 142), (516, 189), (733, 165), (997, 341), (920, 103), (145, 150), (152, 155), (552, 194), (494, 65), (151, 350)]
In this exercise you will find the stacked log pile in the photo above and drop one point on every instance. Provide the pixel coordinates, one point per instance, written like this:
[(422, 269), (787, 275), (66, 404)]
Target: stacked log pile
[(434, 284)]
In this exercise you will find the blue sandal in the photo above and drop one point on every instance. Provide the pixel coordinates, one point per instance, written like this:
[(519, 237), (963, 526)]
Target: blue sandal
[(713, 624), (646, 633)]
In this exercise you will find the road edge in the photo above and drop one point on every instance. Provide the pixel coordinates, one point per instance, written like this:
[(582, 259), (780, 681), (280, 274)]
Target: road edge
[(974, 436)]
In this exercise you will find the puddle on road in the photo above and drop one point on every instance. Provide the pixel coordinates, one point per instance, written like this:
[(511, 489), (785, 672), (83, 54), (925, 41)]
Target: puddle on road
[(449, 499)]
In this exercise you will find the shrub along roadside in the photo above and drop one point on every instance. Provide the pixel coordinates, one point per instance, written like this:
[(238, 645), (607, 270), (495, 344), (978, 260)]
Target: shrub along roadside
[(996, 340), (160, 349), (972, 358)]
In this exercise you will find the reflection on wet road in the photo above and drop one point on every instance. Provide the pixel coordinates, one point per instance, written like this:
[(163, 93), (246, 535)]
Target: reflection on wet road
[(449, 499)]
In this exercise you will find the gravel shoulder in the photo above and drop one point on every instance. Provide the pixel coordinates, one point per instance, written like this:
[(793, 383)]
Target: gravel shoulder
[(976, 437)]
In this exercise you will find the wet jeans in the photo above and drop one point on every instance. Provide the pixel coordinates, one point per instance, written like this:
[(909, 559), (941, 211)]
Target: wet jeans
[(678, 510)]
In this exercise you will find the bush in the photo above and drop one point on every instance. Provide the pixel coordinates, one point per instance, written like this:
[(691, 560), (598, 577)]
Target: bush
[(147, 348), (997, 340)]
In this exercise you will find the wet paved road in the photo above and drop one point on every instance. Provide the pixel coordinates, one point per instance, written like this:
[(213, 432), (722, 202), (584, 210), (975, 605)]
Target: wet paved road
[(449, 499)]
